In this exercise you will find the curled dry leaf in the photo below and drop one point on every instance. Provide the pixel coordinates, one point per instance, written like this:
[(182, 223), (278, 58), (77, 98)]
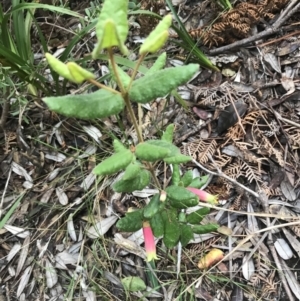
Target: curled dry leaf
[(71, 228), (93, 132), (53, 174), (19, 170), (288, 190), (248, 267), (273, 61), (46, 196), (57, 157), (42, 247), (289, 48), (113, 279), (51, 274), (225, 230), (24, 280), (292, 239), (65, 258), (27, 185), (14, 250), (129, 246), (288, 84), (137, 237), (20, 232), (90, 296), (23, 255), (291, 279), (202, 114), (90, 150), (101, 227), (88, 181), (62, 197), (232, 151), (58, 134), (283, 249)]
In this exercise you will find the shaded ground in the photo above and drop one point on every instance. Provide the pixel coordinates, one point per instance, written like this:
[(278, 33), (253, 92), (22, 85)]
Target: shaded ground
[(48, 245)]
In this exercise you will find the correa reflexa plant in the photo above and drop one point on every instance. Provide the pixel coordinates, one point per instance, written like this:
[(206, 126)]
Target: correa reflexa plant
[(163, 216)]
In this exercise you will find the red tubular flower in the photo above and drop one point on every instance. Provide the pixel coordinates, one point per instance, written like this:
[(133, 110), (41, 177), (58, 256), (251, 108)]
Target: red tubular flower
[(150, 246), (204, 196)]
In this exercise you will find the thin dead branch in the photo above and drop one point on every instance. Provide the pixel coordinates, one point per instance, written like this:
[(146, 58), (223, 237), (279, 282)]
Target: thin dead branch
[(288, 12), (219, 173)]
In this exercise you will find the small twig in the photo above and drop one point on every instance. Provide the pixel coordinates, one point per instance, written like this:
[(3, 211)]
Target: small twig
[(290, 277), (288, 12), (279, 39), (236, 112), (287, 120), (282, 130), (221, 174), (280, 271), (285, 14)]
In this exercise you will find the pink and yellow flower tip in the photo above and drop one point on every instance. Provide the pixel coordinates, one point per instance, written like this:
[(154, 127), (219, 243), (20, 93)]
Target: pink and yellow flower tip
[(150, 246), (204, 196)]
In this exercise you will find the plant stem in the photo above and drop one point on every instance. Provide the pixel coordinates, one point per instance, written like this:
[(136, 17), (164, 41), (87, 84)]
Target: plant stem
[(152, 276), (129, 106), (133, 119), (114, 66), (101, 86), (136, 68)]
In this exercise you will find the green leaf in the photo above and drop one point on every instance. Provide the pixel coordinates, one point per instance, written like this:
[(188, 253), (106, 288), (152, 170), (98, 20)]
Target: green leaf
[(152, 207), (112, 26), (176, 175), (174, 150), (180, 197), (133, 284), (159, 63), (157, 37), (186, 234), (187, 178), (160, 83), (171, 228), (197, 216), (157, 225), (131, 171), (202, 229), (99, 104), (168, 133), (178, 159), (11, 210), (79, 74), (131, 222), (148, 152), (114, 163), (187, 42), (118, 146), (199, 182), (138, 183), (174, 157), (59, 67)]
